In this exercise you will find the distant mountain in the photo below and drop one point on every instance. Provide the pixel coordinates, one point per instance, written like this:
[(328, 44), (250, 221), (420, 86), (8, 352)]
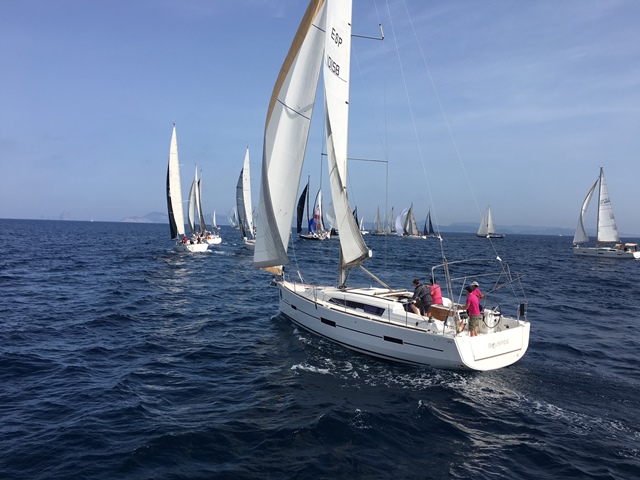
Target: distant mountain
[(158, 217), (469, 227), (153, 217)]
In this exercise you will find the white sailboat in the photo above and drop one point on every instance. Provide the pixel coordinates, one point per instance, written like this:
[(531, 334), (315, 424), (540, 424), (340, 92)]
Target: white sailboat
[(174, 201), (214, 223), (196, 221), (232, 216), (377, 229), (212, 237), (368, 320), (363, 231), (486, 228), (607, 230), (243, 204), (410, 227)]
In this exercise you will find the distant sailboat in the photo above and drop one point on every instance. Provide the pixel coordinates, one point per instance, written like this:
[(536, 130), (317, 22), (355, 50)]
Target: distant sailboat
[(410, 227), (232, 217), (243, 204), (362, 229), (486, 228), (174, 202), (315, 223), (377, 228), (428, 228), (391, 225), (607, 230), (214, 224)]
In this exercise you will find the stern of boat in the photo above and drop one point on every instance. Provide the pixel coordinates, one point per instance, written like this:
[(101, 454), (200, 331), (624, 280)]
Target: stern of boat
[(498, 349)]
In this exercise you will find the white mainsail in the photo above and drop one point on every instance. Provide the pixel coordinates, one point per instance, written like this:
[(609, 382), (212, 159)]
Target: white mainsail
[(285, 138), (246, 195), (174, 192), (607, 229), (243, 200), (336, 75)]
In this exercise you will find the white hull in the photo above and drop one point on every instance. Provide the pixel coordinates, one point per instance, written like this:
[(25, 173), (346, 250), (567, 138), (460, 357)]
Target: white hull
[(315, 236), (394, 335), (605, 252), (214, 239), (249, 243), (491, 235), (192, 247)]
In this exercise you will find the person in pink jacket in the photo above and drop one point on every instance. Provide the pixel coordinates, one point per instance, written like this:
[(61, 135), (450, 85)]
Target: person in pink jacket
[(436, 292), (473, 307)]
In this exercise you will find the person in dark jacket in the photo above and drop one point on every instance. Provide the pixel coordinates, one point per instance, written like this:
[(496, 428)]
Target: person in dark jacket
[(421, 298)]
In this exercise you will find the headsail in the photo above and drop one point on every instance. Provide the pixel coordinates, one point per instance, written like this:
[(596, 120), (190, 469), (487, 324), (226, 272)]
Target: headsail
[(285, 137), (581, 235)]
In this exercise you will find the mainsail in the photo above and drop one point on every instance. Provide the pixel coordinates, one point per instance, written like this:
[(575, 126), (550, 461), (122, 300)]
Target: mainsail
[(607, 229), (174, 192)]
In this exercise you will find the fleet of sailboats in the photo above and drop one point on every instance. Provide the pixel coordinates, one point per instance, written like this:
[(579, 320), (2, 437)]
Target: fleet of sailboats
[(607, 238), (369, 320)]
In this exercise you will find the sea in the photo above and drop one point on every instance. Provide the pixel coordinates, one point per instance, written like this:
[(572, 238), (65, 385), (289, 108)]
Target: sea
[(122, 358)]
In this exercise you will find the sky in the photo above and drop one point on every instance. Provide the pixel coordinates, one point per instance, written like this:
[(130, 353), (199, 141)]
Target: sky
[(513, 104)]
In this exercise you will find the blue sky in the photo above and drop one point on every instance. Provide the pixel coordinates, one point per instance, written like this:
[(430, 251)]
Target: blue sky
[(528, 99)]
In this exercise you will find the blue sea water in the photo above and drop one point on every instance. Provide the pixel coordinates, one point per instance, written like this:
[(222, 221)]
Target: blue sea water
[(123, 358)]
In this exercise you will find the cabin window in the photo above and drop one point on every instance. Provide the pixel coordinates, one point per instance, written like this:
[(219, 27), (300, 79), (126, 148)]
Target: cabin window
[(371, 309)]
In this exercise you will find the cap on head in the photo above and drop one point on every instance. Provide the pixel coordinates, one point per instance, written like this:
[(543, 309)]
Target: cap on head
[(475, 284), (469, 288)]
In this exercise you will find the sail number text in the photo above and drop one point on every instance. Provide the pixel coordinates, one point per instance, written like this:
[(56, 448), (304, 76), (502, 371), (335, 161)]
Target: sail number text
[(331, 64)]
